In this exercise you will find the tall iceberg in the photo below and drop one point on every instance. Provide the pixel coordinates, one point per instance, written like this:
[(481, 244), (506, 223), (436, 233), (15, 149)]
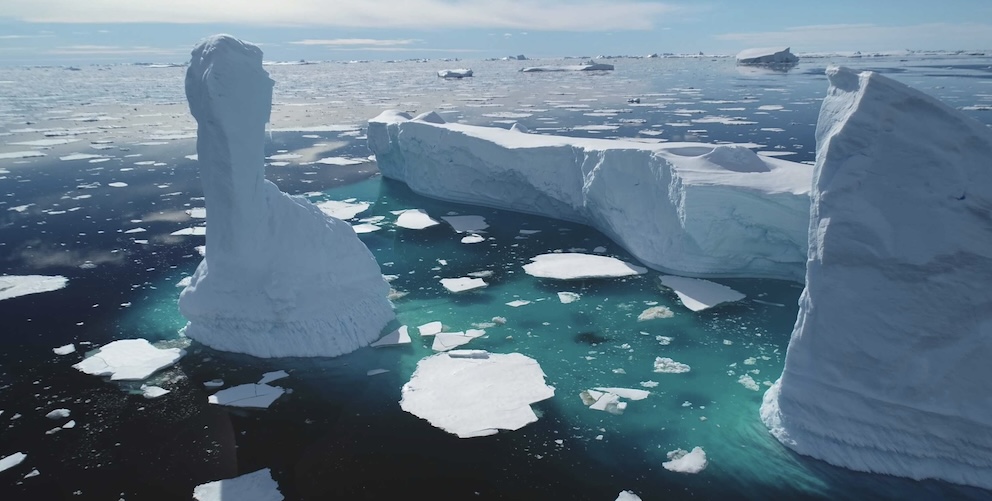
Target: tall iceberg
[(280, 278), (888, 367), (688, 208)]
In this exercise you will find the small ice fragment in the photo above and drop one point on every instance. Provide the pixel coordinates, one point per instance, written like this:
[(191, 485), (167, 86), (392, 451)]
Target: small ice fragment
[(446, 341), (12, 460), (415, 219), (69, 425), (463, 284), (430, 328), (669, 366), (257, 486), (625, 495), (628, 393), (153, 391), (213, 383), (568, 297), (697, 294), (247, 395), (655, 312), (572, 266), (748, 382), (129, 359), (518, 303), (33, 473), (397, 337), (12, 286), (58, 414), (473, 239), (269, 377), (649, 384), (686, 462), (65, 350)]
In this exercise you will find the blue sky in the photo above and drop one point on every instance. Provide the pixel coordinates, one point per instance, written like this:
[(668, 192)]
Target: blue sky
[(106, 31)]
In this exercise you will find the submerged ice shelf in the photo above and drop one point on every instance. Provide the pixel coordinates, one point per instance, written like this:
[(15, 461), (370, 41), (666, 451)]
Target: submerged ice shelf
[(688, 208), (282, 278), (888, 367)]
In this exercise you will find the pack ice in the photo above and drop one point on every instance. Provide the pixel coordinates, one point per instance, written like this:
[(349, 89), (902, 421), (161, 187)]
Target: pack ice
[(281, 279), (687, 208), (888, 367)]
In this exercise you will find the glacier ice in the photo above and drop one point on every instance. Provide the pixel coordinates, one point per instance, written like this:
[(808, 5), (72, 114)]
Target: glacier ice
[(887, 369), (687, 208), (281, 279)]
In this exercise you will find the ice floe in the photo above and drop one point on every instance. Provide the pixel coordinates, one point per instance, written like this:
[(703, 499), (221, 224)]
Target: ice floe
[(681, 461), (269, 377), (668, 366), (463, 284), (574, 266), (568, 297), (153, 391), (12, 460), (65, 349), (477, 395), (415, 219), (697, 294), (430, 328), (247, 395), (343, 210), (456, 73), (654, 313), (12, 286), (129, 359), (256, 486)]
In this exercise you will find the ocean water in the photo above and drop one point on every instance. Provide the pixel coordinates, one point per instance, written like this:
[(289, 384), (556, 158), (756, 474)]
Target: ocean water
[(340, 433)]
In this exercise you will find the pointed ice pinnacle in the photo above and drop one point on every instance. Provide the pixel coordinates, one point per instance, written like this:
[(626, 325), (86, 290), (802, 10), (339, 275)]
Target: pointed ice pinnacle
[(888, 366), (281, 278)]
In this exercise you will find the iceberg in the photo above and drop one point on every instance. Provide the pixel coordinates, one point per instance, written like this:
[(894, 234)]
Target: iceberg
[(687, 208), (574, 265), (281, 279), (588, 66), (888, 366), (681, 461), (458, 73), (767, 56)]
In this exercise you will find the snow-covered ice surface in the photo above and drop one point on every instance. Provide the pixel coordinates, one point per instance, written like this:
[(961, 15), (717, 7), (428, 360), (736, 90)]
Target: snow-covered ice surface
[(455, 73), (477, 395), (887, 370), (129, 359), (692, 208), (256, 486), (697, 294), (574, 266), (281, 279), (12, 286), (681, 461)]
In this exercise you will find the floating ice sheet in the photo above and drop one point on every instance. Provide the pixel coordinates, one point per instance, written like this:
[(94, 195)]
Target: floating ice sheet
[(12, 460), (697, 294), (12, 286), (257, 486), (463, 284), (686, 462), (129, 359), (572, 266), (472, 397), (343, 210), (415, 219), (397, 337), (247, 395)]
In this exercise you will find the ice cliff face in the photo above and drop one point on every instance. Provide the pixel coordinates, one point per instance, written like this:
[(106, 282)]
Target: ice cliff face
[(687, 208), (279, 278), (888, 368)]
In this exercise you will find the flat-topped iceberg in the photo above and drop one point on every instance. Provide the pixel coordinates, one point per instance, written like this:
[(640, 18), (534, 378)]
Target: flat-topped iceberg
[(12, 286), (589, 66), (767, 56), (129, 359), (281, 279), (686, 208), (888, 367), (457, 73)]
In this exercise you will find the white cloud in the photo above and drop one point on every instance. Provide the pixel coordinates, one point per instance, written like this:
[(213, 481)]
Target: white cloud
[(870, 37), (349, 42), (542, 15)]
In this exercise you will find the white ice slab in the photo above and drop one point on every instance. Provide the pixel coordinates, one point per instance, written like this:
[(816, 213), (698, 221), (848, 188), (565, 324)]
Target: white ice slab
[(129, 359), (430, 328), (415, 219), (445, 341), (257, 486), (568, 297), (473, 397), (65, 350), (463, 284), (466, 224), (343, 210), (397, 337), (247, 395), (365, 228), (573, 266), (668, 366), (58, 414), (518, 303), (12, 286), (654, 313), (473, 239), (153, 391), (269, 377), (12, 460), (686, 462), (191, 231), (628, 393), (697, 294)]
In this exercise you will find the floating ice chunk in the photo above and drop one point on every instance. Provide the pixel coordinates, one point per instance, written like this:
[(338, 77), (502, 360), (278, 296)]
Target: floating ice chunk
[(257, 486), (767, 56), (33, 473), (686, 462), (341, 161), (466, 224), (129, 359), (607, 402), (247, 395), (343, 210), (572, 266), (473, 239), (430, 328), (669, 366), (197, 212), (20, 154), (365, 228), (518, 303), (649, 384), (463, 284), (376, 372), (628, 393), (655, 312), (697, 294), (80, 156), (65, 350), (589, 66), (117, 184), (69, 425), (12, 286), (397, 337), (191, 231), (213, 383), (628, 496), (568, 297), (12, 460), (468, 354), (46, 142), (58, 414), (473, 397), (135, 230), (415, 219), (445, 341), (457, 73), (269, 377), (153, 391), (748, 382)]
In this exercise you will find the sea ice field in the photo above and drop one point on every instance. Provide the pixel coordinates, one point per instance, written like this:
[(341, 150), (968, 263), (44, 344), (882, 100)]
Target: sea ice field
[(102, 224)]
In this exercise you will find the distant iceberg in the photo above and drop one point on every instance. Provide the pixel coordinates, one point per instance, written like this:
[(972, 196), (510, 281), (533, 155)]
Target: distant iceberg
[(281, 279), (767, 56), (458, 73), (589, 66), (888, 367), (685, 208)]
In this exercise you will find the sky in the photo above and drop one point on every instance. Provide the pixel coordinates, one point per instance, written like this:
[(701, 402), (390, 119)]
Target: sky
[(43, 32)]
